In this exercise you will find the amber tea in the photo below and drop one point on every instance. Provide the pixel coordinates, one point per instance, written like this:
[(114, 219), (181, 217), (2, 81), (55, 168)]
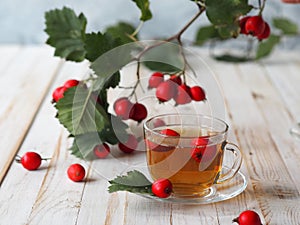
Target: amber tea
[(191, 160)]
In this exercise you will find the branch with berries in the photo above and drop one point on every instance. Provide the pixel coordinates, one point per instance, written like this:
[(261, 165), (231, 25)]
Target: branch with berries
[(82, 106)]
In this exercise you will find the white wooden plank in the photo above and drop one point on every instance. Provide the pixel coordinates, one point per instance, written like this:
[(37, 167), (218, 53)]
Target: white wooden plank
[(274, 111), (26, 82), (228, 210), (7, 53), (269, 177), (49, 138)]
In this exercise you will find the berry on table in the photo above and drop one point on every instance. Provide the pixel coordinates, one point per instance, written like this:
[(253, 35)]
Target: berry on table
[(101, 150), (162, 188), (76, 172), (248, 217), (155, 79), (31, 160), (130, 145), (138, 112)]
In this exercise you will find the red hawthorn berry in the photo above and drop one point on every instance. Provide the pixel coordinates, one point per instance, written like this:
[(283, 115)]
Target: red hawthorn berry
[(197, 93), (162, 188), (101, 150), (31, 160), (242, 23), (122, 108), (255, 25), (165, 91), (58, 93), (248, 217), (138, 112), (199, 149), (170, 132), (130, 145), (159, 123), (183, 95), (176, 79), (266, 33), (155, 79), (76, 172), (71, 83)]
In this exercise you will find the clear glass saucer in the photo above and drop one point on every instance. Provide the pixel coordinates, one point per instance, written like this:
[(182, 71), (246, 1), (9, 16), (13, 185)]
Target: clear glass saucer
[(218, 193)]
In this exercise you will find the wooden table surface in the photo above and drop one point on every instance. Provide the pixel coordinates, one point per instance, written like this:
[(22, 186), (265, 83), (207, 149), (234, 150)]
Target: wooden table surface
[(262, 103)]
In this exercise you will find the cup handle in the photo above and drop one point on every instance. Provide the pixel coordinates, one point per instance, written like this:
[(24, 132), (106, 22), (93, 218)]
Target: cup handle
[(235, 150)]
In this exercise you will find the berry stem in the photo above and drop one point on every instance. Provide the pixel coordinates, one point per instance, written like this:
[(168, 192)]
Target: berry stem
[(176, 36)]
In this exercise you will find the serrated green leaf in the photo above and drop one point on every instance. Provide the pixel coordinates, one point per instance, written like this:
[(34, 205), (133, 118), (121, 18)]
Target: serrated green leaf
[(80, 113), (205, 34), (144, 6), (132, 179), (266, 47), (141, 190), (121, 31), (107, 67), (286, 26), (84, 144), (66, 33), (97, 44), (224, 15)]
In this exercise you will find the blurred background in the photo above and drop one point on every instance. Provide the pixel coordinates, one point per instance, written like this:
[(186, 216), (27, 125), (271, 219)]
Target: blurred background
[(22, 22)]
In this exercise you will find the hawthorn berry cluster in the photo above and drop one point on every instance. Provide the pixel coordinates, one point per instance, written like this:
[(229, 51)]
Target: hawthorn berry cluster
[(123, 107), (174, 88), (255, 26)]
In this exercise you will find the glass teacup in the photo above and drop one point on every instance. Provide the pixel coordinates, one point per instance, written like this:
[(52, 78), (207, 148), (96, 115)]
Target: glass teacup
[(188, 150)]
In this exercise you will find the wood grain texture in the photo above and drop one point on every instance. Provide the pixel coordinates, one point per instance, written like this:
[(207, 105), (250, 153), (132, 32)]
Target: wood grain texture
[(262, 103), (271, 179)]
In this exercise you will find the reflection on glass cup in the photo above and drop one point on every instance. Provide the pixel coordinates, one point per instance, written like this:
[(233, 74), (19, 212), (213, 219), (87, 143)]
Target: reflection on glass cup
[(193, 161)]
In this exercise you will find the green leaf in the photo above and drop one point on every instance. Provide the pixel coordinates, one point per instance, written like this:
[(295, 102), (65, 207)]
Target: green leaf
[(228, 31), (232, 58), (266, 47), (224, 15), (121, 31), (164, 58), (97, 44), (66, 33), (80, 113), (205, 34), (107, 67), (133, 181), (286, 26), (83, 144), (144, 6)]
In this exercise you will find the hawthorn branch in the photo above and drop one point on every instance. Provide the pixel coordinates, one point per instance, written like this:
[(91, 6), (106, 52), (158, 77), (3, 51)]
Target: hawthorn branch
[(176, 37)]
